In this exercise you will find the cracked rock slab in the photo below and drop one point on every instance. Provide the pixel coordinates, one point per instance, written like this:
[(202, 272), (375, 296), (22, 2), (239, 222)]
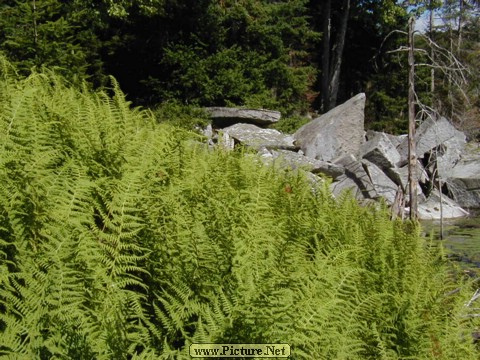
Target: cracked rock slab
[(227, 116), (257, 138)]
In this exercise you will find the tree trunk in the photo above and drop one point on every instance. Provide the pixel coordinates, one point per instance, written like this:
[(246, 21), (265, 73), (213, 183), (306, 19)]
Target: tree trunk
[(412, 158), (460, 25), (326, 28), (34, 11), (432, 52), (334, 82)]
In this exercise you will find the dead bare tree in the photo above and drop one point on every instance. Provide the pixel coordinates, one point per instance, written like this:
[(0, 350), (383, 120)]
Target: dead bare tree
[(442, 60), (412, 156)]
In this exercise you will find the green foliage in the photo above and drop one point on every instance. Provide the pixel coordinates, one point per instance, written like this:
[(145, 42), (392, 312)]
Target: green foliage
[(290, 124), (52, 34), (187, 117), (122, 8), (245, 52), (124, 238), (457, 93), (217, 53)]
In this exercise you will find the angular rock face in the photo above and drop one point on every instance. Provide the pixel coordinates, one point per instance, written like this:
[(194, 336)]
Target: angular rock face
[(463, 180), (355, 170), (344, 183), (428, 136), (383, 185), (431, 209), (400, 175), (468, 172), (225, 116), (468, 198), (380, 150), (450, 153), (295, 160), (256, 137), (334, 145), (338, 132)]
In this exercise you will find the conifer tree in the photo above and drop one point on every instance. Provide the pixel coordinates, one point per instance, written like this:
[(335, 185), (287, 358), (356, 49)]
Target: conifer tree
[(48, 33)]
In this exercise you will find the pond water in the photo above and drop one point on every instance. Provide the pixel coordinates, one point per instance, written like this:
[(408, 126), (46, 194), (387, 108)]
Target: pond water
[(461, 239)]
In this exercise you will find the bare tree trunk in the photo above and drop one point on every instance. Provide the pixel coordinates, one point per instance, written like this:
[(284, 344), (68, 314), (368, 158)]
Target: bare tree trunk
[(326, 28), (441, 205), (412, 158), (35, 34), (432, 52), (460, 25), (336, 63)]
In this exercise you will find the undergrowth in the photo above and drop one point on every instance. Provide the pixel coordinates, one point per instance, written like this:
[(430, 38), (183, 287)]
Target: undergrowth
[(122, 238)]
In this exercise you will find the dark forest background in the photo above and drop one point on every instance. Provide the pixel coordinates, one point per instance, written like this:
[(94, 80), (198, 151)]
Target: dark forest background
[(295, 56)]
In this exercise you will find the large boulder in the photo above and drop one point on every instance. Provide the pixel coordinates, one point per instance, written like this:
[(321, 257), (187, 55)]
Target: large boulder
[(257, 138), (468, 173), (295, 160), (226, 116), (430, 134), (434, 209), (380, 150), (463, 180), (400, 177), (449, 154), (338, 132), (345, 184), (355, 170), (459, 191), (383, 185)]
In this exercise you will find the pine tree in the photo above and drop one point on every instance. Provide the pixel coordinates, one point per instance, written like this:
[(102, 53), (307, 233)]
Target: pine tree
[(49, 33)]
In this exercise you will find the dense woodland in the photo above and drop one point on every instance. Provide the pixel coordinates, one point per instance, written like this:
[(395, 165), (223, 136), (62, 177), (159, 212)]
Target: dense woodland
[(296, 56), (124, 236)]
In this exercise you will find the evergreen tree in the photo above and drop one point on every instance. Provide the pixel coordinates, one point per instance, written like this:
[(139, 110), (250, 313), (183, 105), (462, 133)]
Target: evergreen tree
[(50, 33), (208, 52)]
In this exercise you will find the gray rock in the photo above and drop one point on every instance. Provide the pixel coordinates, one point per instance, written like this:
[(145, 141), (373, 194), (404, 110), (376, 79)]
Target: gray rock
[(208, 131), (257, 138), (468, 173), (209, 134), (431, 209), (449, 154), (468, 198), (338, 132), (397, 139), (345, 160), (394, 139), (380, 151), (383, 185), (428, 136), (226, 116), (344, 184), (355, 170), (400, 177), (227, 142), (314, 179), (463, 180), (295, 160)]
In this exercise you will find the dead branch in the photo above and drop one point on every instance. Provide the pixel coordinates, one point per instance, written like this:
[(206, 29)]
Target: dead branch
[(474, 297)]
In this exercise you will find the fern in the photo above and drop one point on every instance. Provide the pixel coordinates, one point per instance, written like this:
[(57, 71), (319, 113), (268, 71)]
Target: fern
[(123, 238)]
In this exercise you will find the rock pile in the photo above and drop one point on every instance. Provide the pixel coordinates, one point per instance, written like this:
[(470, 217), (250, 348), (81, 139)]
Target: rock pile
[(373, 165)]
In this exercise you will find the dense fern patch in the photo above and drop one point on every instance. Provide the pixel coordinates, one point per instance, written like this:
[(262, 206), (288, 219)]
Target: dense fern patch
[(124, 238)]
